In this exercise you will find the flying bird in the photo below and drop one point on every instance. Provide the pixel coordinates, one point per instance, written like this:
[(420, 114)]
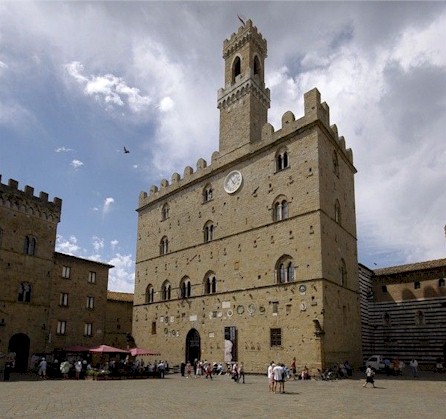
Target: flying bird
[(126, 151), (241, 20)]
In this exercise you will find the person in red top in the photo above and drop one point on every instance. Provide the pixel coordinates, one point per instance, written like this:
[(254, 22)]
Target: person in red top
[(293, 368)]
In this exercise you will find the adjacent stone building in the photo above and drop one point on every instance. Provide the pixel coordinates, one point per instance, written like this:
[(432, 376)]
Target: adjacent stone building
[(118, 320), (48, 300), (253, 258), (79, 301), (403, 310)]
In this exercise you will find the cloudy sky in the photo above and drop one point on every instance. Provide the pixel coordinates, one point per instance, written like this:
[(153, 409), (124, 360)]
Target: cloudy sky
[(79, 81)]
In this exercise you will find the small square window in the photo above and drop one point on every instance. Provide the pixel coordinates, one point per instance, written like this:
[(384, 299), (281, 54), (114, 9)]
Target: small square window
[(66, 270), (276, 337), (417, 285), (90, 302), (63, 299), (61, 327), (88, 329), (384, 289), (92, 277)]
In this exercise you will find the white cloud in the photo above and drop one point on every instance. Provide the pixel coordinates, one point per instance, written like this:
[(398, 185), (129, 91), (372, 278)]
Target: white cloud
[(98, 243), (68, 246), (63, 149), (107, 205), (110, 89), (114, 244), (122, 276), (3, 65), (76, 164)]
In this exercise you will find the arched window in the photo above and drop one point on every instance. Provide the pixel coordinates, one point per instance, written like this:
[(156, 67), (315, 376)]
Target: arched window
[(208, 193), (236, 68), (343, 273), (210, 284), (280, 209), (285, 270), (164, 246), (150, 294), (337, 212), (166, 291), (419, 318), (185, 288), (208, 231), (282, 161), (256, 66), (335, 164), (30, 246), (24, 292), (165, 212)]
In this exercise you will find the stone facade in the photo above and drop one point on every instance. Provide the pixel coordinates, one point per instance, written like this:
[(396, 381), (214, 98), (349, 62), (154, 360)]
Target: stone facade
[(257, 251), (78, 301), (403, 311), (118, 319)]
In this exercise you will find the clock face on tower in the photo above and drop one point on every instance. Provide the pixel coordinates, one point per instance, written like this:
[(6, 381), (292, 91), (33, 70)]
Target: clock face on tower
[(233, 181)]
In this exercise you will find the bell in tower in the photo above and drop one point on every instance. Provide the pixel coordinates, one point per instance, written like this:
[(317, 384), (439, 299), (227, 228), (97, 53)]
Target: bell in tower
[(244, 101)]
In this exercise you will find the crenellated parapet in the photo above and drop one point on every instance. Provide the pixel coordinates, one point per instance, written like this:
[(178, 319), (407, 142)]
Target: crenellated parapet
[(25, 201), (244, 86), (314, 112), (246, 33)]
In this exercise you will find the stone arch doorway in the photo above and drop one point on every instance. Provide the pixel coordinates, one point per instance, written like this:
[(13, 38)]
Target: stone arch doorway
[(19, 343), (193, 346)]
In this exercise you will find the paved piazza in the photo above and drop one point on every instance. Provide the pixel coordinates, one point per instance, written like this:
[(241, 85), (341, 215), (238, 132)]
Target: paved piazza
[(178, 397)]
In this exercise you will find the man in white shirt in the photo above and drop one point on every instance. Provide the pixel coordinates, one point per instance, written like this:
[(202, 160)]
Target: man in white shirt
[(278, 378), (270, 376)]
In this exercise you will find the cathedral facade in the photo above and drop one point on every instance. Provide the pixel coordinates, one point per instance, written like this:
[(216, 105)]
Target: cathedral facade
[(253, 257)]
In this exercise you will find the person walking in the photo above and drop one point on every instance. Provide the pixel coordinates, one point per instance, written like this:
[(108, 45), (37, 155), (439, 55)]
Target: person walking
[(369, 377), (271, 376), (294, 368), (78, 368), (65, 369), (414, 367), (42, 368), (241, 373)]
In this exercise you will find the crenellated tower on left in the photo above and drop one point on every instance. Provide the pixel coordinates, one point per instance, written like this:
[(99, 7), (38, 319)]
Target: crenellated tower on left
[(28, 227)]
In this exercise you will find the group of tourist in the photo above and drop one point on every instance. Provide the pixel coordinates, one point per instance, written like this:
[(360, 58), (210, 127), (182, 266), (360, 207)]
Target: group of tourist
[(198, 368), (78, 368), (277, 375), (394, 366)]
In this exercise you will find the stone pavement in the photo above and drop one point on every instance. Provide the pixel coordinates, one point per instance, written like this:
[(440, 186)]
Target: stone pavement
[(179, 397)]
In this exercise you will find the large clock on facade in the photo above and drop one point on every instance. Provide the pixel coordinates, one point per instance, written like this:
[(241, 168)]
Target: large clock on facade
[(233, 181)]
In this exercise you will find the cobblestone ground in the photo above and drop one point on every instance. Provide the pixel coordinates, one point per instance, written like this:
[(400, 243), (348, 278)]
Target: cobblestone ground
[(179, 397)]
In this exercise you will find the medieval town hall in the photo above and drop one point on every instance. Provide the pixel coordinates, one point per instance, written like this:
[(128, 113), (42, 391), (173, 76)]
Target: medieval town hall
[(253, 257)]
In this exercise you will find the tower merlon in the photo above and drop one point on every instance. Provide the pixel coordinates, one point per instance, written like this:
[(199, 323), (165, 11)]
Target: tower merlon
[(314, 109)]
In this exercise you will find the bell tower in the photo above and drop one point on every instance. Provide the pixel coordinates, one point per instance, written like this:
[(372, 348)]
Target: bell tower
[(244, 101)]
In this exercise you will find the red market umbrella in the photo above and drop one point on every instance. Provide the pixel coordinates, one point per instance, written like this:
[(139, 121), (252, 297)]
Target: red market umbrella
[(105, 349), (142, 351), (76, 348)]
